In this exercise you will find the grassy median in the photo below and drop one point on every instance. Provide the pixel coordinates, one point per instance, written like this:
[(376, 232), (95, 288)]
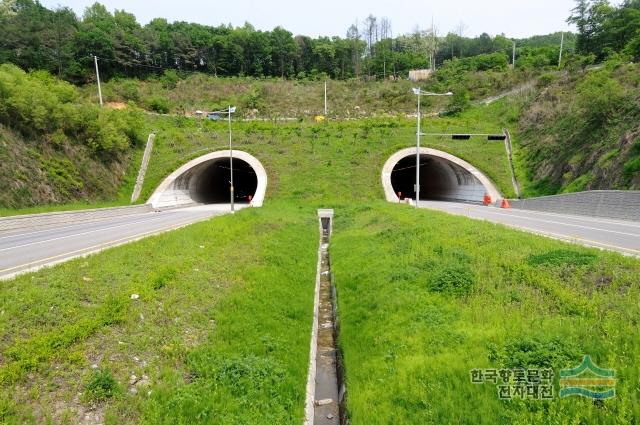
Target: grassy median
[(207, 324), (425, 297)]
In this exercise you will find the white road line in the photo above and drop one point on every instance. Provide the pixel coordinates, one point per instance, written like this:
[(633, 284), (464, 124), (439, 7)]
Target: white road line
[(90, 250), (489, 212), (566, 238), (578, 217), (69, 226), (76, 234)]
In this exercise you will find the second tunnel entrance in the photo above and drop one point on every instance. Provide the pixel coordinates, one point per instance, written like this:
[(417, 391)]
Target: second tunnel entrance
[(443, 177)]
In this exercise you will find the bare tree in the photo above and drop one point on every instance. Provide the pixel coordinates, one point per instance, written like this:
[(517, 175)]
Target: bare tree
[(462, 27), (386, 40), (432, 42), (371, 33), (353, 34)]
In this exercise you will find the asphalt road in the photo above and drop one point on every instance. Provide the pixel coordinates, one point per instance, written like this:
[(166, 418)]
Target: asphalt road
[(614, 235), (24, 250)]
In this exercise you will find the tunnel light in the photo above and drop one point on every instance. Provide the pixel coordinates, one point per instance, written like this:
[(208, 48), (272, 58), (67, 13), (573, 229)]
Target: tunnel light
[(497, 137)]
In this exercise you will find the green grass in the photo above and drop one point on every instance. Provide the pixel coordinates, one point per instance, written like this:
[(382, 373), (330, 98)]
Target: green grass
[(446, 295), (221, 327)]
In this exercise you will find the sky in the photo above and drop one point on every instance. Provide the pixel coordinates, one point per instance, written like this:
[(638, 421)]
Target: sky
[(514, 18)]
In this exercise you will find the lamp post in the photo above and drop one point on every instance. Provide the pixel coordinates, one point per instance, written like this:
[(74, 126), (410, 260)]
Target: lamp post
[(229, 111), (419, 92)]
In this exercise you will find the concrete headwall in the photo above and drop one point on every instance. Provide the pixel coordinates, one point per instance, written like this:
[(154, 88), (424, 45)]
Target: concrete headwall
[(48, 219), (617, 204)]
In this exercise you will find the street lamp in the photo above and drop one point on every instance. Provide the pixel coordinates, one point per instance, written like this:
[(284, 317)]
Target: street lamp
[(229, 111), (419, 92)]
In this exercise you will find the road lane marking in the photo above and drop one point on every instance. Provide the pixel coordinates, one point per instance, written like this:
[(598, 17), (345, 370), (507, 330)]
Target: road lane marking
[(557, 236), (90, 250), (487, 211), (515, 211), (79, 234), (71, 226)]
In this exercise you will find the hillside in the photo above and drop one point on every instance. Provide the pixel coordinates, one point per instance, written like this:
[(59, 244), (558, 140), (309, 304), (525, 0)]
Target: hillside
[(62, 149), (304, 98), (582, 132), (42, 174)]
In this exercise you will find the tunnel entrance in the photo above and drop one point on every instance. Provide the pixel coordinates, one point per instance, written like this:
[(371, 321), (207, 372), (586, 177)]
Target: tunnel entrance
[(206, 180), (212, 184), (443, 177)]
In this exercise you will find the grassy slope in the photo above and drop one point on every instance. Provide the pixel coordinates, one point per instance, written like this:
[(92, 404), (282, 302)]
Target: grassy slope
[(48, 178), (296, 98), (210, 329), (534, 302), (295, 154)]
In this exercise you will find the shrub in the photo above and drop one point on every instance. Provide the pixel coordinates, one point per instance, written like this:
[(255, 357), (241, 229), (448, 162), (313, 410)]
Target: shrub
[(170, 79), (532, 352), (159, 104), (455, 279), (460, 102), (561, 257), (101, 386)]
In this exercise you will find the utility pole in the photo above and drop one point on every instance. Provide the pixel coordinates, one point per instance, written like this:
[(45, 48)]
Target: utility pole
[(417, 91), (513, 60), (418, 133), (95, 60), (561, 47), (325, 98), (231, 162)]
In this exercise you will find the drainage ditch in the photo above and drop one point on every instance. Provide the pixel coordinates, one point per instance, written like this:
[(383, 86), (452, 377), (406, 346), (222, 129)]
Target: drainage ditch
[(326, 392)]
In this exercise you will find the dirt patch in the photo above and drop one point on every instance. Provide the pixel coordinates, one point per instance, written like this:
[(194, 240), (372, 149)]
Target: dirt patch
[(116, 105)]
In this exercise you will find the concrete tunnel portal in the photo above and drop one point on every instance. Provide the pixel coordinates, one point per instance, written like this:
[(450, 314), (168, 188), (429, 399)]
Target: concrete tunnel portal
[(443, 177), (206, 180)]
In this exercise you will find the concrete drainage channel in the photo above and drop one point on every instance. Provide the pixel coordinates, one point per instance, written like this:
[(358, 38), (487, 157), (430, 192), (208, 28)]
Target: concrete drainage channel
[(326, 392)]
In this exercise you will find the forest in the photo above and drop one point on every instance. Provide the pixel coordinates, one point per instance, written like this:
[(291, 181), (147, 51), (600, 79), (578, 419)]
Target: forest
[(34, 37)]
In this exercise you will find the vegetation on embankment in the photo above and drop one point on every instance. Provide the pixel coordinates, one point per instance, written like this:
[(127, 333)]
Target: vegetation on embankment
[(58, 148), (218, 334), (471, 79), (425, 297), (295, 155), (582, 132)]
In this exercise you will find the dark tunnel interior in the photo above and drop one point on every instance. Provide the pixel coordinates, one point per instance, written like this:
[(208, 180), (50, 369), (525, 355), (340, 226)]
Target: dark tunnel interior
[(440, 179), (211, 184)]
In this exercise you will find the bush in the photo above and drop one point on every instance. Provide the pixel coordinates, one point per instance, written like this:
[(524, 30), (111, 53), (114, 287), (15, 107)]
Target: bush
[(44, 108), (561, 257), (460, 101), (528, 352), (128, 90), (159, 104), (170, 79), (455, 279), (101, 386)]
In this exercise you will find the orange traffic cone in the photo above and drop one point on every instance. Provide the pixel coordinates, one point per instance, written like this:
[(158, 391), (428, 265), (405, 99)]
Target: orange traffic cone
[(487, 199), (505, 204)]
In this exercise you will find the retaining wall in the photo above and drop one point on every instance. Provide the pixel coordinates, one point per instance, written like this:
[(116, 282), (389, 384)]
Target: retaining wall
[(617, 204)]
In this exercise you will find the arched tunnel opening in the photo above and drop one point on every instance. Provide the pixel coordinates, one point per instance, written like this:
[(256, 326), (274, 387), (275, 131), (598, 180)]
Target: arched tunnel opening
[(443, 177), (211, 182), (207, 180)]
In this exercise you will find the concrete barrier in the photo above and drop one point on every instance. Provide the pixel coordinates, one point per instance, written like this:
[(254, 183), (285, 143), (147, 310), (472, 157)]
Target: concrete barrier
[(48, 219), (617, 204)]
